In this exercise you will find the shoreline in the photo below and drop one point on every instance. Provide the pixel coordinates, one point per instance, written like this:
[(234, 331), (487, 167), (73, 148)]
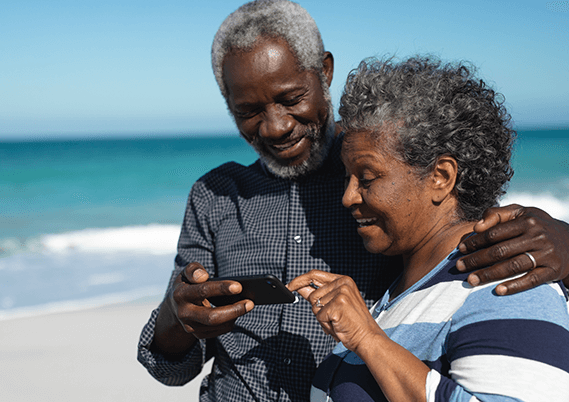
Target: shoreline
[(87, 355)]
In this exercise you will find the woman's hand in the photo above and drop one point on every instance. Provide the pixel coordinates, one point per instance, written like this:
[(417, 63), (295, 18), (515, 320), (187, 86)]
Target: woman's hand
[(338, 306), (342, 313)]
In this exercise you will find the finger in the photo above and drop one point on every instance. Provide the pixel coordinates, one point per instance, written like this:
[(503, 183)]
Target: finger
[(496, 215), (314, 298), (218, 316), (330, 314), (327, 327), (528, 281), (329, 330), (317, 277), (301, 281), (509, 268), (194, 273), (326, 300), (325, 294), (494, 253), (197, 293), (305, 292), (505, 231), (205, 332)]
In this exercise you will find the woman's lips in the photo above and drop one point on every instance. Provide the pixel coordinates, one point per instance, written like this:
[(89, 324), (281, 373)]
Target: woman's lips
[(363, 222)]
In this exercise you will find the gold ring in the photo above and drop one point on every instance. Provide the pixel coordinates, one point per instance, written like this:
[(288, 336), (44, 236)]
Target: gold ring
[(533, 261)]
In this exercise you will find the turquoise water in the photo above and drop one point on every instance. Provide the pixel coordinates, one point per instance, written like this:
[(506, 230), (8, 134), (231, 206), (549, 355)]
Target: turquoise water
[(50, 187), (90, 222), (541, 163)]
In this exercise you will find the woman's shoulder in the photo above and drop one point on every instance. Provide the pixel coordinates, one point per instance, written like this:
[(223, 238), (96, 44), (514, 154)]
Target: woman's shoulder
[(546, 302)]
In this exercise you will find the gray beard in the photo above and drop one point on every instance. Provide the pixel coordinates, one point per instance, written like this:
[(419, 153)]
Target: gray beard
[(321, 142)]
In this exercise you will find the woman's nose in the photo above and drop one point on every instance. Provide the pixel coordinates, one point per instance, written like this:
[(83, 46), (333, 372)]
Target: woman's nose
[(351, 194)]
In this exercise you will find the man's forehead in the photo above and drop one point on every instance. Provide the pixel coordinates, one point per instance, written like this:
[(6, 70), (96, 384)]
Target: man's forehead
[(265, 49), (269, 66)]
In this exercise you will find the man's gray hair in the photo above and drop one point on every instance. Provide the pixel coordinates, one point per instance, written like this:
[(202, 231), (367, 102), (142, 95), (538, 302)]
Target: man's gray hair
[(270, 18)]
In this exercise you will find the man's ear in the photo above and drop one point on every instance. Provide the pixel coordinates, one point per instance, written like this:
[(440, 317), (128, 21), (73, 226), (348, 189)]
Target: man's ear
[(444, 178), (328, 67)]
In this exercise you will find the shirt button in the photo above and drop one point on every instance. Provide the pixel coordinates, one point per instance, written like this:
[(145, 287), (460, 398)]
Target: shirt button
[(298, 239), (287, 361)]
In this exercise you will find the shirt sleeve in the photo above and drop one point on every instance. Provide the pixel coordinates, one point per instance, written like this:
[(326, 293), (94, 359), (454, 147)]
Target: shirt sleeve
[(507, 348), (195, 244), (166, 371)]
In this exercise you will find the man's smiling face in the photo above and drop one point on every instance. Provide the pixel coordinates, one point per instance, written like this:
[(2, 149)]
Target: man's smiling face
[(281, 110)]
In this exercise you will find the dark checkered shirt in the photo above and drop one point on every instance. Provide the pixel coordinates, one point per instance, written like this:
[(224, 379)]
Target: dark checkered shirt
[(242, 220)]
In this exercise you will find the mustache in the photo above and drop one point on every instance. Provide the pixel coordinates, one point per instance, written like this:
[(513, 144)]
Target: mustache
[(310, 131)]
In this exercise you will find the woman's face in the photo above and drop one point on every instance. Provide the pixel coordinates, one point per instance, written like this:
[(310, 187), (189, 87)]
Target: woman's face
[(391, 204)]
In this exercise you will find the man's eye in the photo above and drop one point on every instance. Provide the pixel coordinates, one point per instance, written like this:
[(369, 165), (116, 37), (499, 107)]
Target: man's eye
[(291, 101), (244, 114)]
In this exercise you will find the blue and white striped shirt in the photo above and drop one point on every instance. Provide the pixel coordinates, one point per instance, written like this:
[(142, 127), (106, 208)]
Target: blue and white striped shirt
[(479, 346)]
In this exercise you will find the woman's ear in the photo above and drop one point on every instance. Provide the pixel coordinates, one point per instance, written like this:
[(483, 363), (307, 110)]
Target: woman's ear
[(444, 178)]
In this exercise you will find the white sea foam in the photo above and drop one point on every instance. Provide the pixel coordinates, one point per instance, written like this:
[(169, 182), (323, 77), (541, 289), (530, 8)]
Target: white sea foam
[(97, 266), (149, 239), (34, 283), (85, 268), (81, 304), (554, 206)]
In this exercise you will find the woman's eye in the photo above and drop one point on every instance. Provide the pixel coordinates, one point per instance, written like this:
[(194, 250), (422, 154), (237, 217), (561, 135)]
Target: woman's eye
[(367, 180), (365, 183)]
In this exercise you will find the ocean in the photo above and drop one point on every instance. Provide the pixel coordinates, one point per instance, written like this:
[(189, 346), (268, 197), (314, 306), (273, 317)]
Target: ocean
[(85, 223)]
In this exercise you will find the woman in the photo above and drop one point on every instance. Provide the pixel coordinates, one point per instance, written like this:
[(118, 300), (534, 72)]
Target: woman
[(427, 149)]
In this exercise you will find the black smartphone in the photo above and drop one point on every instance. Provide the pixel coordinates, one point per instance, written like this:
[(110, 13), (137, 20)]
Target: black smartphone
[(262, 289)]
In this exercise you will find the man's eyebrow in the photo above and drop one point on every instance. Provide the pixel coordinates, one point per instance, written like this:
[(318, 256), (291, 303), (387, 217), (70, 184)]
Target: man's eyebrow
[(301, 89), (245, 104), (288, 91)]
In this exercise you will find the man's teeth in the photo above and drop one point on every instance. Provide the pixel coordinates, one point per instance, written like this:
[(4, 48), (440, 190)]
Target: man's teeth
[(283, 147), (366, 222)]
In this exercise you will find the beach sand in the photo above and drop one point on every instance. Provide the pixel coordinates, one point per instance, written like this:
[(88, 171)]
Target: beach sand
[(88, 355)]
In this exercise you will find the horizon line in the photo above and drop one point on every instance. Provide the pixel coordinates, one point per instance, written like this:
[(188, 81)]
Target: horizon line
[(179, 134)]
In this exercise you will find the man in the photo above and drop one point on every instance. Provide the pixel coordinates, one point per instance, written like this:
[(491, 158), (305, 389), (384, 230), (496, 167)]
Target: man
[(283, 216)]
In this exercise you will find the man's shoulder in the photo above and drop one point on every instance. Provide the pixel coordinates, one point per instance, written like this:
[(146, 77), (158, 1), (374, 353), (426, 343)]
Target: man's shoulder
[(233, 171), (235, 180), (234, 168)]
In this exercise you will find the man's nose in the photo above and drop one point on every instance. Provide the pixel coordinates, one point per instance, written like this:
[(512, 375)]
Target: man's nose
[(276, 123)]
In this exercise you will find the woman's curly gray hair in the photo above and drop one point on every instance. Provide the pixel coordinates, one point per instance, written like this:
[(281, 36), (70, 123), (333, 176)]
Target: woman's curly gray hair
[(437, 109), (269, 18)]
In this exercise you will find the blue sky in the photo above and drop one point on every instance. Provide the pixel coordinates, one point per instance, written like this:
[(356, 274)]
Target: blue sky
[(121, 67)]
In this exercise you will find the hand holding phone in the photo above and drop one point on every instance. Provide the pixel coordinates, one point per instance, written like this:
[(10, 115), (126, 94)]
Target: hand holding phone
[(261, 289)]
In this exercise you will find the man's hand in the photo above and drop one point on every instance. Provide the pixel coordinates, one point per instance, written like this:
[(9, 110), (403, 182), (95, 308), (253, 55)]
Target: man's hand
[(186, 315), (503, 236)]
